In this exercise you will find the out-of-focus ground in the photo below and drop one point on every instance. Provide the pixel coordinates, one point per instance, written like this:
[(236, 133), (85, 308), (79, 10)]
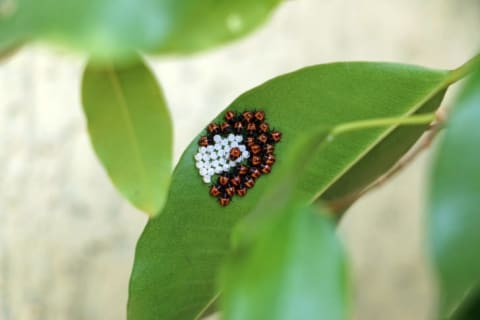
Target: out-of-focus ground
[(67, 238)]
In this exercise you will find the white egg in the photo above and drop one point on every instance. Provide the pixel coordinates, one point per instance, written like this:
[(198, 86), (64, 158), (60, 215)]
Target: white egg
[(246, 154), (239, 138), (217, 138), (207, 179)]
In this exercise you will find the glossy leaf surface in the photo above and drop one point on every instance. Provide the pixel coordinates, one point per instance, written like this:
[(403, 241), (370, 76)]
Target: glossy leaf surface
[(454, 204), (179, 252), (116, 28), (131, 131)]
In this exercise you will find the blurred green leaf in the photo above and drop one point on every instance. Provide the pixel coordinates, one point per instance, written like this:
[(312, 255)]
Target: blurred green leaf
[(286, 262), (294, 270), (131, 131), (179, 252), (454, 202), (282, 189), (116, 28)]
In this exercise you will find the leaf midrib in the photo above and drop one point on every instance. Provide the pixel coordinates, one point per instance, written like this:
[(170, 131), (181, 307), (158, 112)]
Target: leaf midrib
[(126, 116), (445, 83)]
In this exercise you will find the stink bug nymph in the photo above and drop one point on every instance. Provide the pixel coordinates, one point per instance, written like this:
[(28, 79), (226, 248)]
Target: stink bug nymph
[(215, 190), (223, 180), (242, 191), (235, 153), (230, 116), (224, 200), (203, 141), (260, 115)]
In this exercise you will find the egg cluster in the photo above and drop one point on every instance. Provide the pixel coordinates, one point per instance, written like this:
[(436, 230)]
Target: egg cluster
[(215, 159), (235, 153)]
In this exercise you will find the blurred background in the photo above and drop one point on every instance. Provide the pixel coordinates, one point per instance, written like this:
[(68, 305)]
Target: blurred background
[(67, 238)]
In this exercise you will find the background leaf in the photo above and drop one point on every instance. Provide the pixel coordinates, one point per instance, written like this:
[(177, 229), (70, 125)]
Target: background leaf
[(131, 131), (295, 270), (116, 28), (287, 262), (454, 202), (179, 252)]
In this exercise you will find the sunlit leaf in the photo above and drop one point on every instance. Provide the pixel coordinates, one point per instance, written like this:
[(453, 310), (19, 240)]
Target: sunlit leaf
[(131, 131), (454, 203), (179, 252)]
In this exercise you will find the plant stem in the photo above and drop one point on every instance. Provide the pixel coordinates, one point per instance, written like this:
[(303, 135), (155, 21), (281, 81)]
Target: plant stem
[(383, 122), (343, 203), (465, 69)]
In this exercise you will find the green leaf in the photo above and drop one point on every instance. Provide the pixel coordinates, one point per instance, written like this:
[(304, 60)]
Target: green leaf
[(454, 202), (295, 270), (116, 28), (179, 252), (287, 262), (470, 307), (131, 131)]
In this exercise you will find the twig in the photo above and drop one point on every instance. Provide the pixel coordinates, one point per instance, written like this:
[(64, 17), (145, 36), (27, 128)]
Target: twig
[(341, 204)]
